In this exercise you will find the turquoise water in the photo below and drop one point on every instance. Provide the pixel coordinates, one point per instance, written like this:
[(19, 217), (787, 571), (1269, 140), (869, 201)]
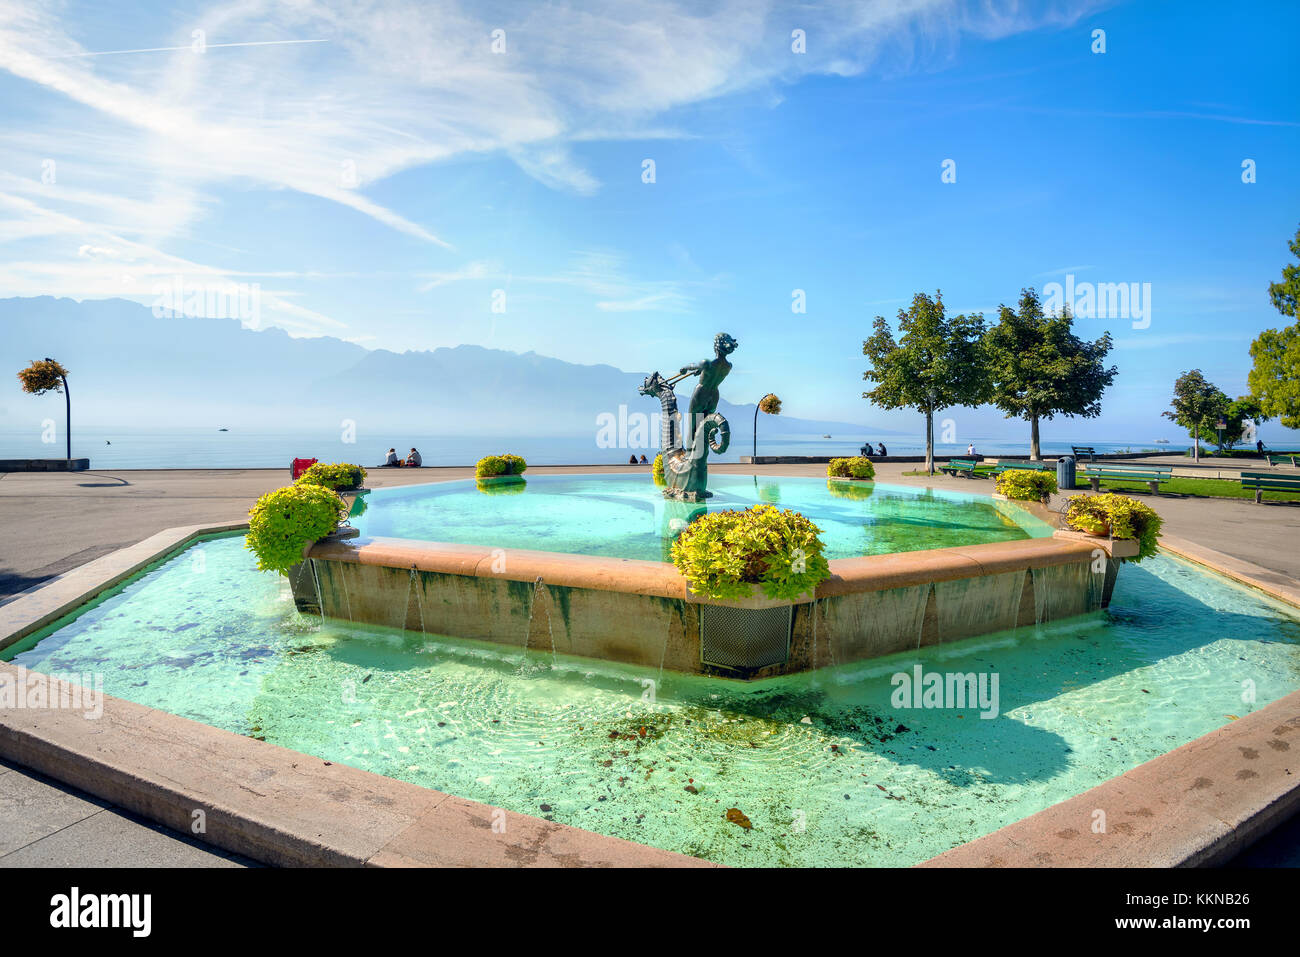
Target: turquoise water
[(824, 766), (625, 516)]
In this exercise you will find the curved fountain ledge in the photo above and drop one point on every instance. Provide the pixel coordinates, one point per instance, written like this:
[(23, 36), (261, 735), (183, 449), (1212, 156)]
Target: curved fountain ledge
[(1196, 806), (279, 806)]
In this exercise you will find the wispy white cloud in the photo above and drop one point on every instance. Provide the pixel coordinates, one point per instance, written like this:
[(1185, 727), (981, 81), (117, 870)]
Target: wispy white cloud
[(158, 137)]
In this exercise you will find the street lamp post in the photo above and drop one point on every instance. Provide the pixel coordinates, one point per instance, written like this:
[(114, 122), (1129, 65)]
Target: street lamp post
[(67, 399), (757, 407)]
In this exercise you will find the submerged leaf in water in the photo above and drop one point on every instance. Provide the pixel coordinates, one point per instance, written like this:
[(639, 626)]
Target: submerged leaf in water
[(736, 816)]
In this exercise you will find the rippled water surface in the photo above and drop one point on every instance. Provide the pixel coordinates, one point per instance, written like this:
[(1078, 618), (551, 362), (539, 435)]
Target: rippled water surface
[(824, 767)]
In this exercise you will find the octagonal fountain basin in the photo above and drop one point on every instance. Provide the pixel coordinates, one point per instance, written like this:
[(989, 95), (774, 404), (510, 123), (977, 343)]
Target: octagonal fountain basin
[(828, 767), (580, 565)]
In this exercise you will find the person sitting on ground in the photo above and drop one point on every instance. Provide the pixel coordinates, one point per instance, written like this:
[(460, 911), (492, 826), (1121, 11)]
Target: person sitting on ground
[(970, 449), (392, 461), (631, 460), (643, 461), (881, 447), (414, 459)]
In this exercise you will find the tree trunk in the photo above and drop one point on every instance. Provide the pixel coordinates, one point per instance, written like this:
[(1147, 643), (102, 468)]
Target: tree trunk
[(929, 441), (1196, 442), (756, 431), (1035, 454)]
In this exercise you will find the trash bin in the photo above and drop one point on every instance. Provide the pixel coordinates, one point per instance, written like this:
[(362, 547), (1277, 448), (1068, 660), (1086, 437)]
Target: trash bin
[(1065, 473)]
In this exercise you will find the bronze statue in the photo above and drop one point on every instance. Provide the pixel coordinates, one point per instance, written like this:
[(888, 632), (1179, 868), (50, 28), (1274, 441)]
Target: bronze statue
[(686, 447)]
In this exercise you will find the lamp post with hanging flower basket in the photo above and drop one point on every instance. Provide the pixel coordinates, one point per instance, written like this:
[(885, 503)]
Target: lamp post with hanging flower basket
[(46, 375)]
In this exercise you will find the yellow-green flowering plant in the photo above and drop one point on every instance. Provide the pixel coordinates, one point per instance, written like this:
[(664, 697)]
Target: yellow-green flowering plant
[(1118, 516), (285, 520), (657, 470), (858, 467), (724, 554), (1026, 485), (504, 464), (336, 476)]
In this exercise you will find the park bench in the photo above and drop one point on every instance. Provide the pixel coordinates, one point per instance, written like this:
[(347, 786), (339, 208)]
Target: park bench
[(1153, 475), (1283, 458), (957, 467), (1263, 482), (1028, 466), (1081, 450)]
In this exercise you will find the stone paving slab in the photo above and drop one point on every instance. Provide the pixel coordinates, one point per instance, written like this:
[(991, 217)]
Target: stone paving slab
[(31, 809), (47, 824)]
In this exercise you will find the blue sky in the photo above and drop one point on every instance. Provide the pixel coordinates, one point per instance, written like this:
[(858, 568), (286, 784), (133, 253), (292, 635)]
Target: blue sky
[(522, 171)]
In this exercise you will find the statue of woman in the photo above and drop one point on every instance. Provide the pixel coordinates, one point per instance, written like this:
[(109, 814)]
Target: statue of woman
[(704, 400)]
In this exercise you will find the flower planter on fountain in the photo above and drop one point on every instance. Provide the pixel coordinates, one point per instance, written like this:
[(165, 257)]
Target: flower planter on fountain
[(747, 581), (500, 469), (855, 469), (1131, 526)]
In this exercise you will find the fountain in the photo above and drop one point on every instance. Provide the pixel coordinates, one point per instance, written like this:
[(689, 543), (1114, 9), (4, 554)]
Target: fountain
[(933, 567)]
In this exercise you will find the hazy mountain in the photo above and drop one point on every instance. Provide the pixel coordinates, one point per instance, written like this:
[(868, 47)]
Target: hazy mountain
[(130, 367)]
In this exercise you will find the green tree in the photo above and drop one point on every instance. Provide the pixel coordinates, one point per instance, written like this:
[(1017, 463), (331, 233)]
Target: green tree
[(1275, 378), (1286, 294), (1244, 410), (1196, 405), (768, 405), (937, 362), (46, 375), (1039, 368)]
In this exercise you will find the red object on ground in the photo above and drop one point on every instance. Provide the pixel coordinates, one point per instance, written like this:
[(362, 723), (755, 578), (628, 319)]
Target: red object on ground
[(299, 466)]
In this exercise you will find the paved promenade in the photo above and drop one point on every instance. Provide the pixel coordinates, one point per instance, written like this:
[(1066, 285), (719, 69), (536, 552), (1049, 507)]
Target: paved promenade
[(55, 522)]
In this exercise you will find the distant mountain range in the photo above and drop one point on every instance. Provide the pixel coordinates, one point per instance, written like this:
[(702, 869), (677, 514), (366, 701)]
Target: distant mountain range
[(130, 367)]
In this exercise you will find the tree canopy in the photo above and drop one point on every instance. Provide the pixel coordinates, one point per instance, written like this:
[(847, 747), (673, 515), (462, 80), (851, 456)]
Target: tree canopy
[(1275, 377), (1039, 368), (1286, 294), (1196, 405), (936, 362)]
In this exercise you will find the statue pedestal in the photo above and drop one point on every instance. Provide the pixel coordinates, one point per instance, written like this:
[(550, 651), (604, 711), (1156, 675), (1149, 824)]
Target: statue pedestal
[(687, 495)]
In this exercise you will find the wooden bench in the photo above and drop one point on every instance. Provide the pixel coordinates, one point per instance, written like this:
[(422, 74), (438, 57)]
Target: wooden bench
[(1282, 458), (1081, 450), (1153, 475), (1263, 482), (957, 467), (1027, 466)]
